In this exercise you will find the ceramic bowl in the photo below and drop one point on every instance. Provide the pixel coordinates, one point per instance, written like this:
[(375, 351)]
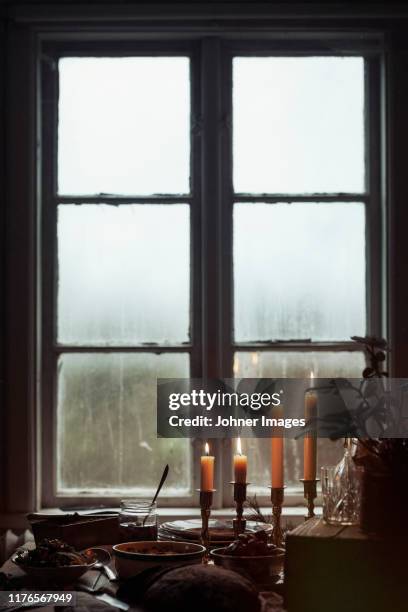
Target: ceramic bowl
[(262, 570), (132, 558)]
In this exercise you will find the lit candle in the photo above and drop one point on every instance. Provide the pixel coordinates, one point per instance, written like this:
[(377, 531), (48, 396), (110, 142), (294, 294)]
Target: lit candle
[(310, 441), (207, 470), (240, 464), (277, 452)]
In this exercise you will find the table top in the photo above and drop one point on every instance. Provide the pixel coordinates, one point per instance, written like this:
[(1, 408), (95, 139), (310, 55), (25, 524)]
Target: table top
[(95, 584), (317, 528)]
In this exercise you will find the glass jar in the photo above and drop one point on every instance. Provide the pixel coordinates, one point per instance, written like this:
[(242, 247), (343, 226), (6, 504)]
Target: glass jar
[(137, 520)]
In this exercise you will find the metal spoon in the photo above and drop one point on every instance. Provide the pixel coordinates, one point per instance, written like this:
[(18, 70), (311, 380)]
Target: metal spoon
[(161, 483), (103, 559)]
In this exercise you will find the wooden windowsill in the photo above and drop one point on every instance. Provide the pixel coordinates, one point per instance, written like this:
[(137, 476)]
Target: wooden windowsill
[(295, 514)]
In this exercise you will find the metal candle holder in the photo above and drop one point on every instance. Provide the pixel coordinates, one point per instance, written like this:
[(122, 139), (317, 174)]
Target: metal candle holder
[(206, 499), (310, 494), (277, 495), (240, 495)]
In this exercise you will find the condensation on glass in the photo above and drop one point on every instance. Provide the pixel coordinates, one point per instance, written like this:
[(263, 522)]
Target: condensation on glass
[(299, 271), (106, 425), (292, 364), (124, 125), (298, 124), (124, 274)]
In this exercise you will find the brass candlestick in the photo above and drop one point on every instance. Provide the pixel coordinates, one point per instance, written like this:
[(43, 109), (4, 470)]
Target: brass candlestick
[(206, 498), (310, 494), (239, 523), (277, 495)]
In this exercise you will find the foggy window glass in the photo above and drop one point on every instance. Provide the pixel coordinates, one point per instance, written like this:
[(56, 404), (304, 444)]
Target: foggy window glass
[(299, 271), (298, 124), (106, 425), (124, 125), (123, 271), (123, 274), (285, 364)]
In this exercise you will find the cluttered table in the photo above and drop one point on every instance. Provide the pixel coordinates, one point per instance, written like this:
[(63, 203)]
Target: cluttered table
[(189, 572), (333, 557), (94, 593)]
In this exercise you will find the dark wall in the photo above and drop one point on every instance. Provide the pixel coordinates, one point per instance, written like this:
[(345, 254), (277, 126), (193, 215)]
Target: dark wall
[(2, 253)]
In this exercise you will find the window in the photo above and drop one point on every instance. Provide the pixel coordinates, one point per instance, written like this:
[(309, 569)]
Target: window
[(208, 209)]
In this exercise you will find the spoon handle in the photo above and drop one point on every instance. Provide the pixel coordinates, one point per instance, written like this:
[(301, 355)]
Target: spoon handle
[(161, 483), (110, 573)]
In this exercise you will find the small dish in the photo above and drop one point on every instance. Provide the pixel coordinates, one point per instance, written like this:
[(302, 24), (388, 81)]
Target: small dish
[(61, 576), (131, 558)]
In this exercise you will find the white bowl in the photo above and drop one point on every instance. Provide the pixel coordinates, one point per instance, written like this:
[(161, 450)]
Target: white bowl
[(131, 558)]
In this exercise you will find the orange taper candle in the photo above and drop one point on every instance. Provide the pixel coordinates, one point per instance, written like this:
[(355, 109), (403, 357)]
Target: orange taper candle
[(310, 440), (207, 470), (277, 452)]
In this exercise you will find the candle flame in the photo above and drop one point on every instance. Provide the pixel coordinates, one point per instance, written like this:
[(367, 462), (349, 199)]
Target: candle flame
[(311, 375), (239, 447), (207, 448)]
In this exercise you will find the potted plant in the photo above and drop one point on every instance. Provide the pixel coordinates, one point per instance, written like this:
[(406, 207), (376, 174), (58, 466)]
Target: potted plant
[(384, 495)]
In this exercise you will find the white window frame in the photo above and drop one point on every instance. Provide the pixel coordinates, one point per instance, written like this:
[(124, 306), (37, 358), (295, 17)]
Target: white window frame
[(211, 202)]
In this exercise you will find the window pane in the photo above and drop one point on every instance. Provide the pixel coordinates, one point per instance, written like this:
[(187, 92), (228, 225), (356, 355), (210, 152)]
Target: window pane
[(287, 364), (124, 125), (106, 425), (298, 124), (123, 274), (299, 271)]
